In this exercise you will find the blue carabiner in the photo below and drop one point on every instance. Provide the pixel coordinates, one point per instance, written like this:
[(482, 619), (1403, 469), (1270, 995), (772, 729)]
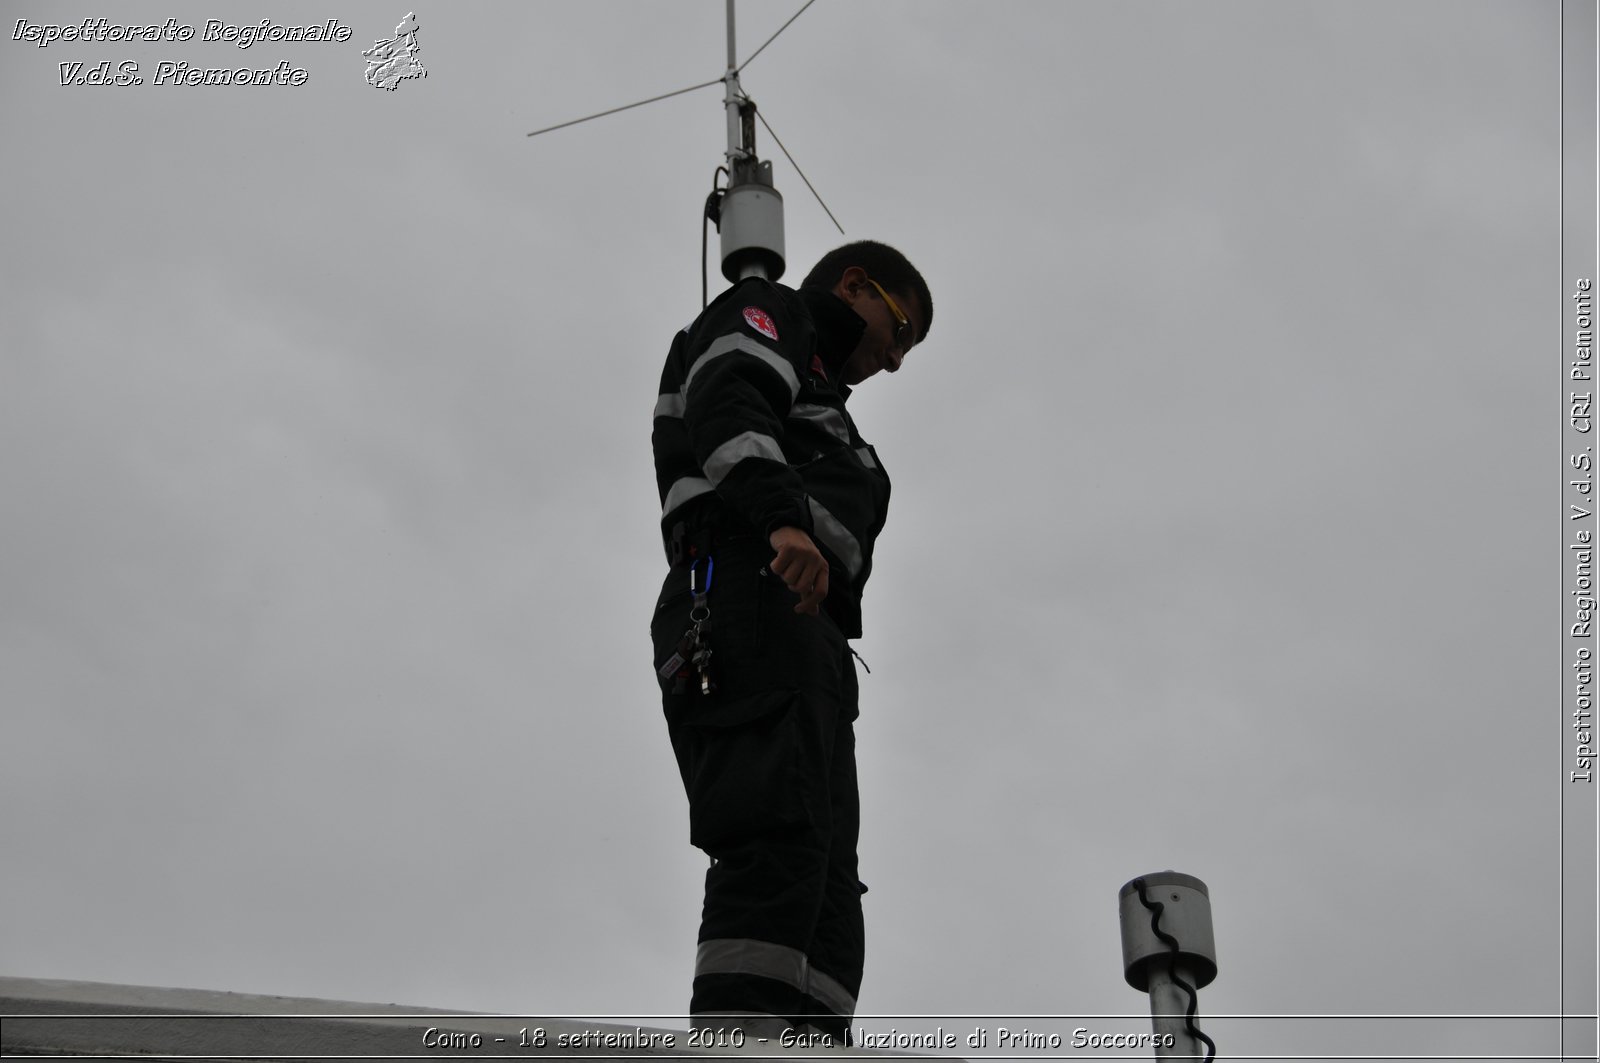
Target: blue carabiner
[(711, 568)]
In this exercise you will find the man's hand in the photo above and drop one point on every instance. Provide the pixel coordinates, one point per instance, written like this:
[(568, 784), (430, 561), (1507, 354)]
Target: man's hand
[(801, 567)]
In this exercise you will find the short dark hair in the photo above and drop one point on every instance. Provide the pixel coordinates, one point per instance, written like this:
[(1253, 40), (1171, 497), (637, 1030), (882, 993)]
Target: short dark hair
[(886, 265)]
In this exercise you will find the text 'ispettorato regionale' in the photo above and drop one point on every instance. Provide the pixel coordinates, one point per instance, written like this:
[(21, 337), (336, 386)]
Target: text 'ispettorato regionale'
[(240, 35)]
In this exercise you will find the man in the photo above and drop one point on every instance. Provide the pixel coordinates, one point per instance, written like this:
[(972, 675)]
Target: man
[(770, 503)]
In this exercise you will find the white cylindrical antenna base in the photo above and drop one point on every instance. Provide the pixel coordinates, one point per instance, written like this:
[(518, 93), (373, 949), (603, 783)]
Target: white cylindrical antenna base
[(1185, 915), (752, 229)]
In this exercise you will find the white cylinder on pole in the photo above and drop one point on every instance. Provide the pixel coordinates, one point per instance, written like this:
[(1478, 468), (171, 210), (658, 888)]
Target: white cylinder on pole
[(752, 231), (1185, 914)]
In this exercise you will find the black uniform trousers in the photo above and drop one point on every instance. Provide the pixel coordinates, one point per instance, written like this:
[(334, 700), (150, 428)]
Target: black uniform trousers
[(768, 764)]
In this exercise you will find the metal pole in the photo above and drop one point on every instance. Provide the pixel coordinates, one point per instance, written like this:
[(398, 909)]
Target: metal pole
[(730, 100), (1169, 1005)]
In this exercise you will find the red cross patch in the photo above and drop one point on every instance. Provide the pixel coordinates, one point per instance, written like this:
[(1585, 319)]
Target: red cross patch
[(761, 321)]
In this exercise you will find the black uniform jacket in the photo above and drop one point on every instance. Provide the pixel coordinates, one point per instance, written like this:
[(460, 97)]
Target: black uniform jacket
[(751, 432)]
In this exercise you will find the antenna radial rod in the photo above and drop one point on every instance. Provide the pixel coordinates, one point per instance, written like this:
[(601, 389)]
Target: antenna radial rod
[(627, 106), (774, 37), (801, 172), (733, 71)]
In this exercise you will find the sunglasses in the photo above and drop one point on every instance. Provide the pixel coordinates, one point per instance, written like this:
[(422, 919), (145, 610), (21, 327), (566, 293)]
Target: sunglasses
[(902, 324)]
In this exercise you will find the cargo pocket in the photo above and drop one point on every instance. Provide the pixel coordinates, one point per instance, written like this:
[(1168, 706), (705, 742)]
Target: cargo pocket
[(741, 769)]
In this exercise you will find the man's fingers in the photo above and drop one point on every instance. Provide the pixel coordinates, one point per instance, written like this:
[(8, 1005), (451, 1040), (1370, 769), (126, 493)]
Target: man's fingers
[(803, 571), (811, 596), (798, 568), (787, 566)]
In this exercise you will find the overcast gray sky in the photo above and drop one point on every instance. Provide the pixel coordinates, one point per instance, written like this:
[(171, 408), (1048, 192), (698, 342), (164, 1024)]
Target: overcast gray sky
[(1225, 498)]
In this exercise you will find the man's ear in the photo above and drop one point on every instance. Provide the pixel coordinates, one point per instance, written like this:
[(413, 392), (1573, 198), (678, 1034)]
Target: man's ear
[(851, 281)]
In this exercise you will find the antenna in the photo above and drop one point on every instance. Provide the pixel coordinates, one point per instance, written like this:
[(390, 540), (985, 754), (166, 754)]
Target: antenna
[(749, 210), (752, 210)]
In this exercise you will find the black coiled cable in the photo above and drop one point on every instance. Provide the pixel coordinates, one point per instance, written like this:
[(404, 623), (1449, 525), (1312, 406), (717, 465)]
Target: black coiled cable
[(1156, 908)]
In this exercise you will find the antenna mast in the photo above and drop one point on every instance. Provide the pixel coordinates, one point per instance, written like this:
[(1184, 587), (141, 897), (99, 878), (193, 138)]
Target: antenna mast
[(749, 211), (751, 220)]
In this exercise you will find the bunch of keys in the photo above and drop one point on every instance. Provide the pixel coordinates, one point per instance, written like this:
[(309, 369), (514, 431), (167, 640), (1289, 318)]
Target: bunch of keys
[(693, 651)]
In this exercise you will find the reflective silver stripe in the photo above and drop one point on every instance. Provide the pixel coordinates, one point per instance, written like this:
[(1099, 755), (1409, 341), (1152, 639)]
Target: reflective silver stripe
[(683, 490), (830, 993), (778, 962), (737, 341), (835, 537), (865, 454), (670, 404), (742, 446), (749, 956), (826, 418)]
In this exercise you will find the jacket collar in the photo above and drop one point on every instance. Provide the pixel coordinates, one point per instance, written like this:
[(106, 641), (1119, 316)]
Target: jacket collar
[(839, 329)]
